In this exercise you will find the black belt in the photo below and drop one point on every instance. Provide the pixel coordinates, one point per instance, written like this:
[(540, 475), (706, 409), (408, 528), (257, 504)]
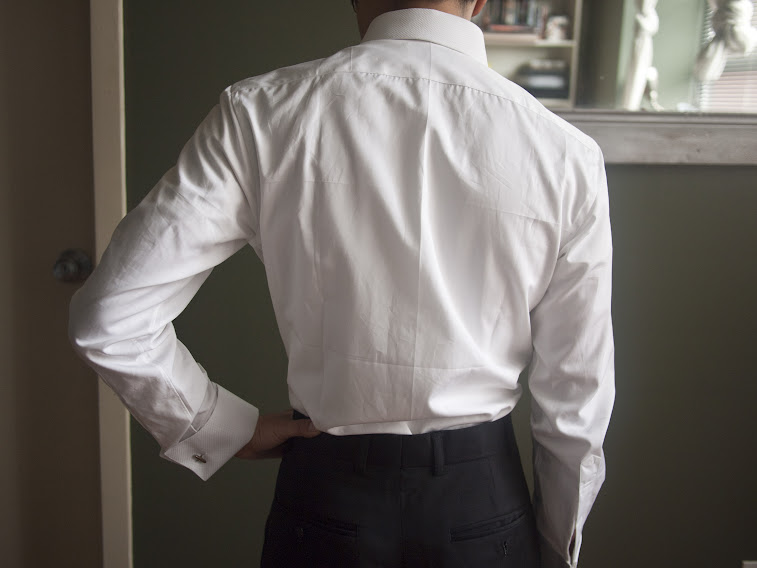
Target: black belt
[(433, 449)]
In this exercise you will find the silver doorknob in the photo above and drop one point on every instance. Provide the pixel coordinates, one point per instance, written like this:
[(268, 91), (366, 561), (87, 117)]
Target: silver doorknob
[(73, 265)]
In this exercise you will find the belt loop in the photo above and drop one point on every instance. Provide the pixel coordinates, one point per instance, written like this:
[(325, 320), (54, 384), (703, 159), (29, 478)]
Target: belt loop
[(361, 454), (437, 444)]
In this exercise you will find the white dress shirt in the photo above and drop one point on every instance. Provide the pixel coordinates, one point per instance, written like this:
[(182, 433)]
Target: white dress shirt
[(429, 231)]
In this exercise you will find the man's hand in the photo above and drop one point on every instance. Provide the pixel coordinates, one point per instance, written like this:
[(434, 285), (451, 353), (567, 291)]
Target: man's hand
[(271, 433)]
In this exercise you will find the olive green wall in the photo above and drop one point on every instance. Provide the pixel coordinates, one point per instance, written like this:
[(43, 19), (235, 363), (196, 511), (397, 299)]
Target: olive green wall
[(600, 52), (676, 47), (681, 453), (179, 57)]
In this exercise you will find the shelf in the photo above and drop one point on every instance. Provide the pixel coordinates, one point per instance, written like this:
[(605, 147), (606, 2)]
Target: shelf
[(511, 52), (523, 40), (557, 104)]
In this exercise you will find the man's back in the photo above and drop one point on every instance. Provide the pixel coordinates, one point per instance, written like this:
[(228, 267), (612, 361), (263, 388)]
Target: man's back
[(414, 202)]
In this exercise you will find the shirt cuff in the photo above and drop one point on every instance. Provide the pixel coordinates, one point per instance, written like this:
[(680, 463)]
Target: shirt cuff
[(229, 427)]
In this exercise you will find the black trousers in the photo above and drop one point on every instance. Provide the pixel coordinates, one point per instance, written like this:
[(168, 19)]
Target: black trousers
[(455, 498)]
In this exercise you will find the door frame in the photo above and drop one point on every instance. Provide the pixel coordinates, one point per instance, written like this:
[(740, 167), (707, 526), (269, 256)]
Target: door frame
[(109, 152)]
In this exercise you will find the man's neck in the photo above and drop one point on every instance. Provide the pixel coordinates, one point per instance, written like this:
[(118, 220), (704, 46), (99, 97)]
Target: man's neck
[(454, 7), (367, 10)]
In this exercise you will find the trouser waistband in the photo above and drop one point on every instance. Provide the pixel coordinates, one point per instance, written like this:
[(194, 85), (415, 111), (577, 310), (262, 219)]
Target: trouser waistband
[(433, 449)]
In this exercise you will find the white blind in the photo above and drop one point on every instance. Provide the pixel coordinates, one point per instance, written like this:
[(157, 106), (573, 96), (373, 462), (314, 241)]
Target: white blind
[(736, 90)]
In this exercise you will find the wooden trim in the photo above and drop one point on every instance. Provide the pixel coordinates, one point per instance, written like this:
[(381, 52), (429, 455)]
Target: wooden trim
[(670, 138), (504, 39), (108, 137)]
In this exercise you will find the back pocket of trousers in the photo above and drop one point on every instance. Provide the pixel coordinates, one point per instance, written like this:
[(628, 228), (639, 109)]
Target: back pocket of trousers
[(294, 540), (505, 540)]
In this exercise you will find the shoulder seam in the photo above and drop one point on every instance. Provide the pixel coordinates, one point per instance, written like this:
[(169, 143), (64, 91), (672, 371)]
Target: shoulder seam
[(536, 112)]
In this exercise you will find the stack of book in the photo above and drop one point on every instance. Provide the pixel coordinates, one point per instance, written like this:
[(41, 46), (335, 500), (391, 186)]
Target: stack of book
[(545, 78)]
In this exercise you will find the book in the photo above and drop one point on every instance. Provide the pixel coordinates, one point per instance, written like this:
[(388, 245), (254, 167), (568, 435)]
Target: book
[(511, 29)]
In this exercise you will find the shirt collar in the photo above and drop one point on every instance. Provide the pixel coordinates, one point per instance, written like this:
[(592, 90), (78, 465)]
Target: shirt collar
[(424, 24)]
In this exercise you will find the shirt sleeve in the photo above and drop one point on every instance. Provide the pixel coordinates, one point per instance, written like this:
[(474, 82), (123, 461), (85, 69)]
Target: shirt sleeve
[(571, 376), (200, 213)]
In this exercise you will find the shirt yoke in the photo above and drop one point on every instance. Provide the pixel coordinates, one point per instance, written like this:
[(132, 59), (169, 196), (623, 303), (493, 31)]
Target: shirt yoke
[(417, 60)]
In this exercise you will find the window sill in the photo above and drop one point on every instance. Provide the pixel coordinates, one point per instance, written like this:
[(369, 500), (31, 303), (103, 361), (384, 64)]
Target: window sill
[(669, 138)]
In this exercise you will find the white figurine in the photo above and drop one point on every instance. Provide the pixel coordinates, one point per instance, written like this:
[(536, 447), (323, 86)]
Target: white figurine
[(731, 22), (642, 76)]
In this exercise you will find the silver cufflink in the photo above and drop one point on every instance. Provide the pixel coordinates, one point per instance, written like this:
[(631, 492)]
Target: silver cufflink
[(200, 458)]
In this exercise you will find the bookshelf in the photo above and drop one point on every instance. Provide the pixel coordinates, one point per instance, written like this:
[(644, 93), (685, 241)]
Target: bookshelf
[(539, 48)]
